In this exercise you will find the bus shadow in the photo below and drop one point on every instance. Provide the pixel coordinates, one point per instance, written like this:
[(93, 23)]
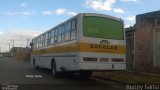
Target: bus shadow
[(64, 75)]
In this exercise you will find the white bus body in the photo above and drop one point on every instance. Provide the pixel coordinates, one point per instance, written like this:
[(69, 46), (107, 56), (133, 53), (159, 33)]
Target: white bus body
[(71, 50)]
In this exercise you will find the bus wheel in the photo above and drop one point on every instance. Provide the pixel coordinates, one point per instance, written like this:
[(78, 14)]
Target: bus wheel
[(54, 71), (85, 74), (34, 64)]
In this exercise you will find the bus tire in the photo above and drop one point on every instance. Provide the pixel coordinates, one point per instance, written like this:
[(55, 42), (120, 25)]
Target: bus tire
[(85, 74), (34, 64), (55, 73)]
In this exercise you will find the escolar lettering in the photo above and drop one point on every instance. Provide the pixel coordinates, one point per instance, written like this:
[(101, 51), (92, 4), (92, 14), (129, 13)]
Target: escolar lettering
[(100, 46)]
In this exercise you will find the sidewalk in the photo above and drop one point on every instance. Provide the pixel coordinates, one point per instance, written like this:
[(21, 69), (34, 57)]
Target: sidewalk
[(128, 77)]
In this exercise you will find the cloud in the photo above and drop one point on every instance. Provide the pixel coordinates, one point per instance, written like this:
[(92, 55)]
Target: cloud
[(126, 25), (16, 34), (72, 13), (33, 12), (118, 10), (60, 11), (129, 0), (1, 33), (131, 19), (19, 36), (104, 5), (11, 13), (23, 4), (47, 12), (23, 13)]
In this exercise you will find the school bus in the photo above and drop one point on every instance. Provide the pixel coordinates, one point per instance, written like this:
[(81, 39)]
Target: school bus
[(82, 44)]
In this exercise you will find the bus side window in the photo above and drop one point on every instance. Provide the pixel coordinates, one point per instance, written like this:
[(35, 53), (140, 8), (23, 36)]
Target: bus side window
[(56, 35), (40, 45), (59, 34), (67, 31), (35, 43), (52, 36), (49, 38), (73, 29), (38, 40), (43, 42), (46, 36), (63, 33)]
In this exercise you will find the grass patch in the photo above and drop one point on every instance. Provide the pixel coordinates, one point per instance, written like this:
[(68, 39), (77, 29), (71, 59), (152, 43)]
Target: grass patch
[(130, 77)]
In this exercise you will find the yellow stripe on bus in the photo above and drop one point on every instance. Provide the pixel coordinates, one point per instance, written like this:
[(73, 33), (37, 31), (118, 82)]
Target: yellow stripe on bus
[(83, 47), (102, 48)]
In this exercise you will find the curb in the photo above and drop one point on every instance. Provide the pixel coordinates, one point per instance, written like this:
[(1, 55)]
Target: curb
[(107, 79), (110, 82)]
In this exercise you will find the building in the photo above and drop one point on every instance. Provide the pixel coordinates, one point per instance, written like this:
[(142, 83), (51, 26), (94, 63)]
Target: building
[(16, 49), (147, 42), (130, 40)]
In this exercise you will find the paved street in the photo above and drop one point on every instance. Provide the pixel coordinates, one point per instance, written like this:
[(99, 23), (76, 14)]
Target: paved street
[(22, 74)]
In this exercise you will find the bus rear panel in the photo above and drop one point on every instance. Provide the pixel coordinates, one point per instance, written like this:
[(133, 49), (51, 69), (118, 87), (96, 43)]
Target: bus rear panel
[(102, 44)]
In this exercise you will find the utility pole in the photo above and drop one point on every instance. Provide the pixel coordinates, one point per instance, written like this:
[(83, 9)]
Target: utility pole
[(12, 43), (27, 42), (0, 49), (21, 39), (9, 46)]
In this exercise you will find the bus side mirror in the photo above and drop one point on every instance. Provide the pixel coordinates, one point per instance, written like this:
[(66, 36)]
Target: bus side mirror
[(32, 44)]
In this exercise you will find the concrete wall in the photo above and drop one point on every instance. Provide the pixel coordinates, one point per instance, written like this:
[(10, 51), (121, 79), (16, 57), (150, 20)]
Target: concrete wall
[(144, 41), (130, 47)]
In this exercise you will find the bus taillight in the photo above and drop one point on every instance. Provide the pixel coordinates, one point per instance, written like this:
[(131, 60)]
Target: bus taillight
[(117, 60), (104, 59), (89, 59)]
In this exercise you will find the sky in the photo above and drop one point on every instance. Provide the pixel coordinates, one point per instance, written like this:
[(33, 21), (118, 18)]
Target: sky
[(25, 19)]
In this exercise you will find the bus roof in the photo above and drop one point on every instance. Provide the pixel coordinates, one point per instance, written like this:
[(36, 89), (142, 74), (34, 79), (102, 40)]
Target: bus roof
[(84, 14), (102, 15)]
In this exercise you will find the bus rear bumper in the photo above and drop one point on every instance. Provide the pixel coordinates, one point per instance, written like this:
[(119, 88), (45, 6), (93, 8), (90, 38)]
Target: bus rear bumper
[(102, 66)]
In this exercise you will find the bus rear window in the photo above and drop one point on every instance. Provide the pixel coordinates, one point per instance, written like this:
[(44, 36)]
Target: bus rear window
[(100, 27)]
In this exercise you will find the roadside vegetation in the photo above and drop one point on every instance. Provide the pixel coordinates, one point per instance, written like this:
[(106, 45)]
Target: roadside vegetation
[(129, 77), (22, 55)]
